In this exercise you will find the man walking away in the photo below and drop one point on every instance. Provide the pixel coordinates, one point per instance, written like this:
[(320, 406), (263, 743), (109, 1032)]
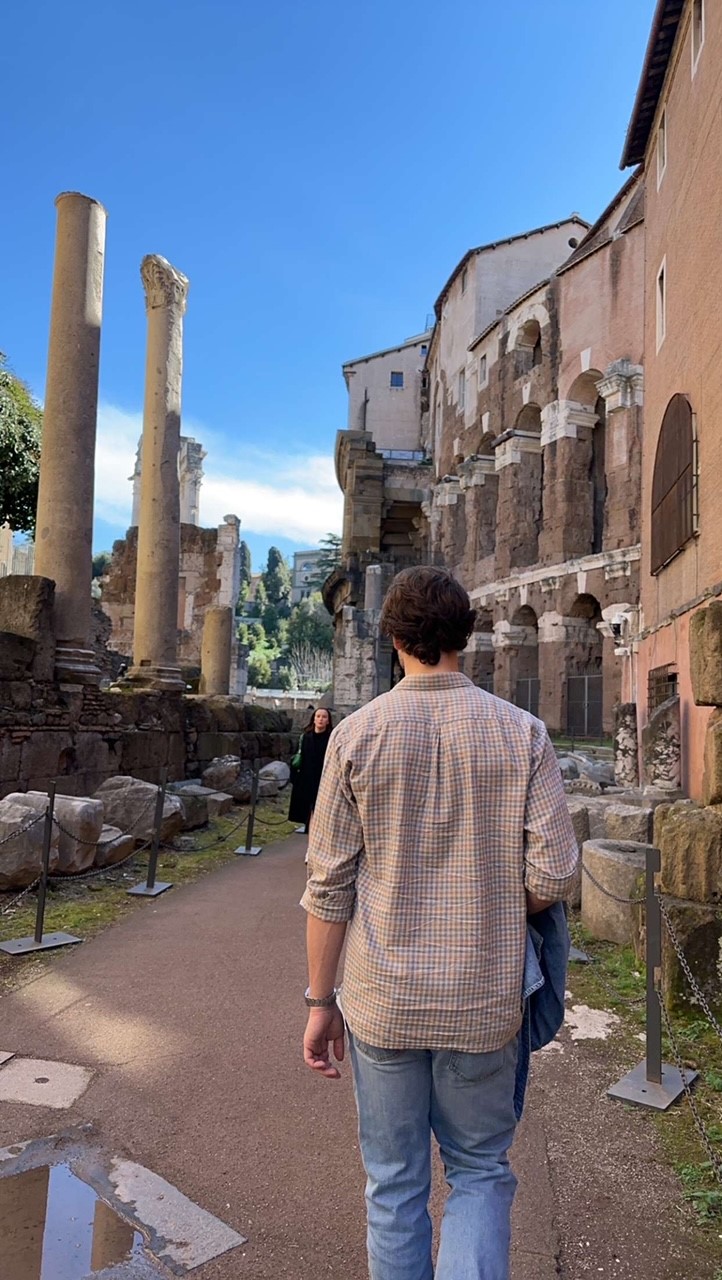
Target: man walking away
[(440, 823)]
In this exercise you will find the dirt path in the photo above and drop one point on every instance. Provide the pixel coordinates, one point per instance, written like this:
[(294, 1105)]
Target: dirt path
[(189, 1013)]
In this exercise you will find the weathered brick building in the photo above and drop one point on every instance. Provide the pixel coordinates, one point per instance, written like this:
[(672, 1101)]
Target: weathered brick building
[(676, 132), (524, 475)]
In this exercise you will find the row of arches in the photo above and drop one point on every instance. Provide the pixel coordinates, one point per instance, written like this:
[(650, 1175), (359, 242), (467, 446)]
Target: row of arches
[(505, 661)]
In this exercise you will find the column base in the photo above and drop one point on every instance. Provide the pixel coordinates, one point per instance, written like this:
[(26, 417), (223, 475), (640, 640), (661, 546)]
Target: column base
[(150, 675), (76, 666)]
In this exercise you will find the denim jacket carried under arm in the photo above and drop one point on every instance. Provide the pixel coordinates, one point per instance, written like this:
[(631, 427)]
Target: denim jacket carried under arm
[(543, 988)]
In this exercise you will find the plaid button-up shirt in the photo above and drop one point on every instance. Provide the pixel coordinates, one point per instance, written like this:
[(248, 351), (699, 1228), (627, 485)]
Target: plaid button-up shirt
[(439, 805)]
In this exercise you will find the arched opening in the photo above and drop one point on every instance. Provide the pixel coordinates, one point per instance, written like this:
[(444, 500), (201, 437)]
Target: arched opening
[(529, 419), (528, 347), (481, 666), (524, 669), (598, 477), (585, 692), (673, 484), (584, 388)]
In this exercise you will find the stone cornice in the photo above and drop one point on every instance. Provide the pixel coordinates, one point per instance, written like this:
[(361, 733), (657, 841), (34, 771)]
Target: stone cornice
[(606, 560), (164, 285)]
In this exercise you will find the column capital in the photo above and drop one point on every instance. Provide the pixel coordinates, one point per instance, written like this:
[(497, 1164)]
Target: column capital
[(622, 386), (563, 419), (164, 286)]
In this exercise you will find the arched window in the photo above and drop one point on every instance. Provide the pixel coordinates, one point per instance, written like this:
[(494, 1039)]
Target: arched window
[(673, 484)]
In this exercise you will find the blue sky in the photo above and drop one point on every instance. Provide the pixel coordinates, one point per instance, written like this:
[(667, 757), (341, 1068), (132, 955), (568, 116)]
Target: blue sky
[(316, 170)]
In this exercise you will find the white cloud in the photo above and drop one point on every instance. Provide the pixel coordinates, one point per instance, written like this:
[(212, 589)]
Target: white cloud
[(295, 497)]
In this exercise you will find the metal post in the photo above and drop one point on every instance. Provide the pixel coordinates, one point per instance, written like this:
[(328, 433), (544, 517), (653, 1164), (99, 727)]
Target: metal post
[(652, 1083), (249, 850), (149, 888), (654, 968), (42, 941)]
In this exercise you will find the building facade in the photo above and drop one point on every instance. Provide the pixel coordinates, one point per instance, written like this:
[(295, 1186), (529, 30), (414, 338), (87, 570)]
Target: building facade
[(525, 481), (303, 573), (676, 132)]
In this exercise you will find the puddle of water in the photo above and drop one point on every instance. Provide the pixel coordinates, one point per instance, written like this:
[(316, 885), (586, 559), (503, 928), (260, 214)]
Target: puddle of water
[(53, 1226)]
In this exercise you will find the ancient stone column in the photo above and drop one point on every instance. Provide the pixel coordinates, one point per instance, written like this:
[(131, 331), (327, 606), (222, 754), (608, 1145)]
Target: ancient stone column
[(64, 534), (155, 638), (216, 650)]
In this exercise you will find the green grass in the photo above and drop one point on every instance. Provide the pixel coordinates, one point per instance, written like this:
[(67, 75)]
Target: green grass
[(618, 969), (86, 907)]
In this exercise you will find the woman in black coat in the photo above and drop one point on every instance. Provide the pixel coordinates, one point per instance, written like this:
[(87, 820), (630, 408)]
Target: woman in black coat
[(307, 778)]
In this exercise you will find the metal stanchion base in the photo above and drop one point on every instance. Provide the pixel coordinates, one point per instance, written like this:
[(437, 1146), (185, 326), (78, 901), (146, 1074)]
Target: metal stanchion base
[(576, 956), (142, 890), (249, 853), (635, 1087), (23, 946)]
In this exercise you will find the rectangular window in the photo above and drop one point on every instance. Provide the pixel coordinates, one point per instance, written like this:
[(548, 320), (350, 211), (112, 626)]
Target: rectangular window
[(482, 371), (697, 31), (464, 279), (661, 148), (397, 380), (661, 685), (423, 349), (661, 303), (462, 389)]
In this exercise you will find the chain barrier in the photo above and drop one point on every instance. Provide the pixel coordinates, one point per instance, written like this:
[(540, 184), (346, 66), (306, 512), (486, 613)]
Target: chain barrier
[(8, 906), (70, 876), (21, 830), (212, 844), (713, 1157), (626, 902), (698, 992), (102, 843)]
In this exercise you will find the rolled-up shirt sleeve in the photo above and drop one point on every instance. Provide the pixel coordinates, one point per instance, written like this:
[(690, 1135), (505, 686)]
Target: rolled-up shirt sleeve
[(551, 854), (335, 842)]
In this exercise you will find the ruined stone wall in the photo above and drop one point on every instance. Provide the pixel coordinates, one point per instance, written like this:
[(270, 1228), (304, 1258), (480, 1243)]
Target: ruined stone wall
[(208, 576), (82, 737)]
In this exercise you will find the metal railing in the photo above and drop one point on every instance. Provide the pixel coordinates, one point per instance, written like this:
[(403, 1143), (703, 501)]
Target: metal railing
[(150, 887), (654, 1083)]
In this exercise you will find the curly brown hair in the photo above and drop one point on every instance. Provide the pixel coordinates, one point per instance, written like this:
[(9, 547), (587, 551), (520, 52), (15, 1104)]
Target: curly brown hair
[(428, 613)]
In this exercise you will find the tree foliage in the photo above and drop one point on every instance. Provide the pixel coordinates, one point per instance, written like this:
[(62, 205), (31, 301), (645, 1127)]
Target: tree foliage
[(101, 562), (21, 420), (310, 624), (259, 669), (329, 560), (277, 580), (246, 573)]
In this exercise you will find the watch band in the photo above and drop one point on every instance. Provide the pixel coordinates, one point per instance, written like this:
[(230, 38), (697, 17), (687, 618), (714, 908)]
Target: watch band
[(324, 1002)]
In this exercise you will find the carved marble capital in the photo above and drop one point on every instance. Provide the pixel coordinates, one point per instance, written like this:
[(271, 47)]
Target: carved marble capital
[(566, 419), (164, 286), (622, 386)]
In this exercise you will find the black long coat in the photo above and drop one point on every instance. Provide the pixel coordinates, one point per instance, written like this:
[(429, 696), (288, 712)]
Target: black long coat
[(307, 779)]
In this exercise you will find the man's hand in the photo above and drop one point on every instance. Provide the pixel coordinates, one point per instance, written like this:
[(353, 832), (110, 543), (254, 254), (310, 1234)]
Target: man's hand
[(324, 1027)]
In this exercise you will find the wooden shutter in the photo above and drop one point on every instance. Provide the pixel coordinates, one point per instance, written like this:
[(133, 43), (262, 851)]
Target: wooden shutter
[(673, 484)]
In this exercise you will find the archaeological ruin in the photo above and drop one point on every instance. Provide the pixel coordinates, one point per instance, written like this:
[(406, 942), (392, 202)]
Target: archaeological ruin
[(506, 445), (59, 720)]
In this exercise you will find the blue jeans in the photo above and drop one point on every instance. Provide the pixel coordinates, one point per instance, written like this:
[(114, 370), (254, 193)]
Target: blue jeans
[(467, 1101)]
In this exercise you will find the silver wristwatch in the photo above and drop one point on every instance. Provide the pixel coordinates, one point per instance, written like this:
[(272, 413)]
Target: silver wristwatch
[(325, 1002)]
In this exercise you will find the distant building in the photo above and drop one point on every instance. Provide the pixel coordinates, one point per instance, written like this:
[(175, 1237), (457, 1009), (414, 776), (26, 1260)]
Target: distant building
[(15, 557), (305, 566), (385, 393)]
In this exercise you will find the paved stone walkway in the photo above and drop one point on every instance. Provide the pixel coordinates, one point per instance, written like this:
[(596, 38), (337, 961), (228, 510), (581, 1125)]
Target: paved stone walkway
[(189, 1014)]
